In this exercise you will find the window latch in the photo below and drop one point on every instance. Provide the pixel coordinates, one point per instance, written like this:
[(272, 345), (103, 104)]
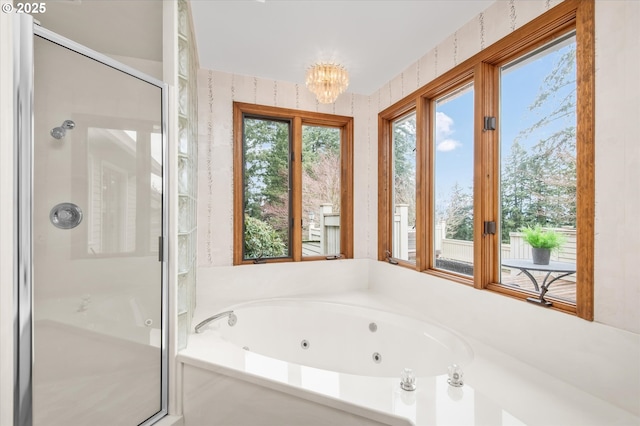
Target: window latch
[(334, 257), (489, 228), (489, 123), (390, 259)]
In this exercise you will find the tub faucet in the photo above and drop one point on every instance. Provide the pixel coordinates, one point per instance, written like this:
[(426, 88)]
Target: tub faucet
[(233, 319)]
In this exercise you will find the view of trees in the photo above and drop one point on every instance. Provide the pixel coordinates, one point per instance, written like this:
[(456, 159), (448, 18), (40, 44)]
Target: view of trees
[(538, 176), (320, 169), (539, 184), (404, 164), (261, 240), (267, 181)]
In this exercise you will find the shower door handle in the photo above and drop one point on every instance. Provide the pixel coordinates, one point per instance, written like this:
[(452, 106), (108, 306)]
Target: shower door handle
[(65, 215)]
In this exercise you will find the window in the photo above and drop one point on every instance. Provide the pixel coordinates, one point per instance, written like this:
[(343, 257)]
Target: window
[(503, 141), (266, 187), (404, 188), (538, 159), (321, 191), (453, 181), (293, 185)]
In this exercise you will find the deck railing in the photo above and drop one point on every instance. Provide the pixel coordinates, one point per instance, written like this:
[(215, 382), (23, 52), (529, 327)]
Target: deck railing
[(325, 239)]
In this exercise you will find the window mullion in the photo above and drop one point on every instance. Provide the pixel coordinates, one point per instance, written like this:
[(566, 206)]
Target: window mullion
[(424, 211), (296, 189), (486, 176), (384, 191), (585, 33), (346, 182)]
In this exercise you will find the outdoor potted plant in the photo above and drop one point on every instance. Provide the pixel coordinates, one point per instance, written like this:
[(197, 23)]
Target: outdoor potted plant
[(542, 242)]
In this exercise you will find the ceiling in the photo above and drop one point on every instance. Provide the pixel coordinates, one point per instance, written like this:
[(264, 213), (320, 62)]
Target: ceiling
[(279, 39), (114, 27)]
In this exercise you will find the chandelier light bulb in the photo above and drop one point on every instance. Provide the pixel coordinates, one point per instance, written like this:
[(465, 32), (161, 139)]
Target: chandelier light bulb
[(327, 81)]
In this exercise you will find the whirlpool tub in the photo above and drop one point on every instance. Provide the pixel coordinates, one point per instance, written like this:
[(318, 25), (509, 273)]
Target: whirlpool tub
[(310, 362)]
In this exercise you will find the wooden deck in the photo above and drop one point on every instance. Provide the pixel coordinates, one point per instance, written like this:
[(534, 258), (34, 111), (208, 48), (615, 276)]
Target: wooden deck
[(562, 289)]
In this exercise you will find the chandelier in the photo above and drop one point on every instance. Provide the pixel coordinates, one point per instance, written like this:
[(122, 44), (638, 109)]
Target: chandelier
[(327, 81)]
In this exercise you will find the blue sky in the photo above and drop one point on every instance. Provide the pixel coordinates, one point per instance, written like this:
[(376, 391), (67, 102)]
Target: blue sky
[(454, 122)]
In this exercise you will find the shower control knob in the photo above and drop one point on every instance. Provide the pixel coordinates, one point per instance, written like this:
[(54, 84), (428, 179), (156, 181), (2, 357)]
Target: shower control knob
[(65, 216)]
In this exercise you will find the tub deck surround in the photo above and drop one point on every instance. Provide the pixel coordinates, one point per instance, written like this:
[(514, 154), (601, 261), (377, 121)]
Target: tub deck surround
[(219, 376), (594, 357), (222, 286)]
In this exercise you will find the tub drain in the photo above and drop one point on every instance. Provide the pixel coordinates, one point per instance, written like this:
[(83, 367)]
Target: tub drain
[(305, 344), (373, 327), (377, 358)]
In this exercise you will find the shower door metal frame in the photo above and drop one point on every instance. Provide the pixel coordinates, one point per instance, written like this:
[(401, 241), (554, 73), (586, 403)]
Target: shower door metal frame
[(24, 31)]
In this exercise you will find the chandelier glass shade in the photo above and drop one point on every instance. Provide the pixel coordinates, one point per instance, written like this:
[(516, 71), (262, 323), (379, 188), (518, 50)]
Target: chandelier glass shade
[(327, 81)]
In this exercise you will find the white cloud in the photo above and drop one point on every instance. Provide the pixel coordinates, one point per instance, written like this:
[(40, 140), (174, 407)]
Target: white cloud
[(447, 145), (444, 129)]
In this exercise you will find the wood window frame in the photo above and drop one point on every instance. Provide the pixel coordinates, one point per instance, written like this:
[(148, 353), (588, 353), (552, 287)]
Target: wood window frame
[(298, 118), (483, 69)]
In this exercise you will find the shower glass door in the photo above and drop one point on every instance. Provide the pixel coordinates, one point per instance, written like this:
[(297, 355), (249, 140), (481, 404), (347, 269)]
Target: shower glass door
[(97, 248)]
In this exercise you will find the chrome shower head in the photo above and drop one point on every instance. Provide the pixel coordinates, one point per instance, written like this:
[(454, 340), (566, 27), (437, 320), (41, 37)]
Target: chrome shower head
[(60, 132)]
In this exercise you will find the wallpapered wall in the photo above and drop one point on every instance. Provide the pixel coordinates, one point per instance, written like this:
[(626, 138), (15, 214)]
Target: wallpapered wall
[(617, 292)]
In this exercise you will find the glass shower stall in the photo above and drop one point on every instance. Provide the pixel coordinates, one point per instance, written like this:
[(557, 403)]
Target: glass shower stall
[(91, 287)]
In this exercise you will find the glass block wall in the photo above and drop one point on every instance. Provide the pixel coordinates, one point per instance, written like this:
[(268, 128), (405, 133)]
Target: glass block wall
[(187, 171)]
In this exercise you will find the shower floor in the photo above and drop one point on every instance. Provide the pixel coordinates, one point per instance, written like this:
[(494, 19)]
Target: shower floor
[(82, 377)]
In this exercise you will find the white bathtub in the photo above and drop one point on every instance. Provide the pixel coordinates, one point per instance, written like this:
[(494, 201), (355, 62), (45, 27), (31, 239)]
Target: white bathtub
[(311, 362), (342, 338), (341, 362)]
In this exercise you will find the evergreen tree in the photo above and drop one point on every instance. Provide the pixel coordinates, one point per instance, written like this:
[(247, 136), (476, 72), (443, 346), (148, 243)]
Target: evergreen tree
[(404, 165), (515, 191), (266, 174), (539, 185), (459, 214), (554, 153)]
